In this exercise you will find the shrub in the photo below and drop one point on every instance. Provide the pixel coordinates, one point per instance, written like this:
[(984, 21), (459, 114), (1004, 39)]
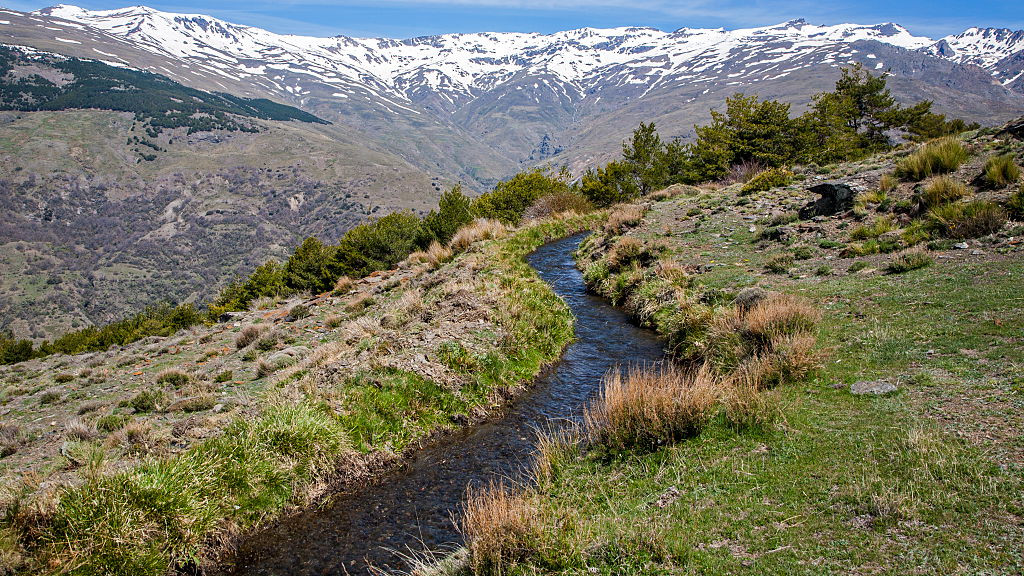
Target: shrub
[(510, 199), (112, 422), (937, 157), (768, 179), (648, 408), (941, 190), (224, 376), (1001, 171), (63, 378), (823, 270), (50, 397), (967, 220), (247, 336), (909, 260), (298, 312), (802, 253), (147, 401), (173, 377), (454, 211), (475, 231), (858, 266), (629, 251), (779, 264), (196, 403), (501, 527), (624, 216)]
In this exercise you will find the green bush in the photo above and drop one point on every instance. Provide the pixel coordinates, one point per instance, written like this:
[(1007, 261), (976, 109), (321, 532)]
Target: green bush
[(224, 376), (967, 220), (299, 311), (858, 266), (941, 190), (147, 401), (174, 378), (768, 179), (454, 210), (1001, 171), (510, 199), (936, 157), (112, 422), (779, 264)]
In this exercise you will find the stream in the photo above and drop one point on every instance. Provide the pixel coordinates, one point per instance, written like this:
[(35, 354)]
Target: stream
[(378, 527)]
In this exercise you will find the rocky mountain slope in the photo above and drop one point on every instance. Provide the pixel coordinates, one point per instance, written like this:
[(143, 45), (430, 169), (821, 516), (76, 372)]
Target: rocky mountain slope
[(478, 106)]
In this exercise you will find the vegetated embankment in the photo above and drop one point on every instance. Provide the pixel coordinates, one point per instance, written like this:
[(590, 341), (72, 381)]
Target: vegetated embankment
[(159, 455)]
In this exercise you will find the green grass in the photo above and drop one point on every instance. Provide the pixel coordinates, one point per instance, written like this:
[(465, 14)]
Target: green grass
[(940, 156), (164, 513), (1001, 171), (906, 483)]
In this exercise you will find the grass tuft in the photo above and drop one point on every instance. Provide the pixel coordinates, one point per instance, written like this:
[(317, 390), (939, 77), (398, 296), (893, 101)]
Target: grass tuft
[(909, 260), (1001, 171), (502, 527), (968, 219), (940, 156)]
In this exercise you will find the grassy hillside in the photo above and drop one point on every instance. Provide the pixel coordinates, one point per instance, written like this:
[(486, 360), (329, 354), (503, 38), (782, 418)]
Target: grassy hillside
[(191, 439), (797, 475), (90, 231)]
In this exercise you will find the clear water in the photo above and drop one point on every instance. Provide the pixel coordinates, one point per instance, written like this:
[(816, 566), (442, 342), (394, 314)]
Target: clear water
[(377, 527)]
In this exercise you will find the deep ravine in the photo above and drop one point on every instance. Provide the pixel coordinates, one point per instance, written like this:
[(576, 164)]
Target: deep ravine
[(377, 527)]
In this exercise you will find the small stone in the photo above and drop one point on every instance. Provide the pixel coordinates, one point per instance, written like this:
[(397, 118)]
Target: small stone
[(960, 246), (876, 387), (218, 407), (977, 252), (752, 229)]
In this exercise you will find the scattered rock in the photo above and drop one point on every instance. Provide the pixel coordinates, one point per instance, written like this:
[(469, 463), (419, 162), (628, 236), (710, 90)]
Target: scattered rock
[(228, 316), (876, 387), (977, 252), (960, 246), (667, 497), (835, 197), (1015, 128)]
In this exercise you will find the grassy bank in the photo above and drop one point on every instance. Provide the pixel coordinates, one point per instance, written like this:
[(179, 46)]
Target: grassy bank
[(116, 511), (805, 477)]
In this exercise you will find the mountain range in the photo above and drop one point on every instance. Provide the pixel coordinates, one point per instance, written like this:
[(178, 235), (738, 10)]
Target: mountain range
[(406, 118), (478, 107)]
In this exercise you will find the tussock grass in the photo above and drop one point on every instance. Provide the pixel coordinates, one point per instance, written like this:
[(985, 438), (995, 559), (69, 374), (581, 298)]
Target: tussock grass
[(967, 219), (1001, 171), (623, 217), (909, 260), (11, 439), (247, 336), (941, 190), (79, 429), (880, 226), (475, 231), (343, 286), (647, 408), (745, 405), (1015, 204), (434, 256), (888, 183), (940, 156), (156, 516), (173, 377), (501, 525)]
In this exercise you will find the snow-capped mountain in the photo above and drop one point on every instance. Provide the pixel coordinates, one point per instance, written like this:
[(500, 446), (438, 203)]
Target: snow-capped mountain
[(517, 96)]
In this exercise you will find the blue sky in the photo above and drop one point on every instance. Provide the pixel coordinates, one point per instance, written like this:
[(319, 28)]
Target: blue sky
[(407, 18)]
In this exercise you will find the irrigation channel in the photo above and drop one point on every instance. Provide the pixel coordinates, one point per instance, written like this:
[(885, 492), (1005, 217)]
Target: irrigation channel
[(375, 528)]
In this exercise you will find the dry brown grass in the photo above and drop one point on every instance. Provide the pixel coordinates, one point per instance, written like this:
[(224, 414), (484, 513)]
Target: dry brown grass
[(136, 438), (79, 429), (554, 446), (11, 439), (434, 256), (553, 205), (501, 526), (475, 231), (745, 403), (779, 315), (650, 407), (624, 216), (247, 336), (343, 286)]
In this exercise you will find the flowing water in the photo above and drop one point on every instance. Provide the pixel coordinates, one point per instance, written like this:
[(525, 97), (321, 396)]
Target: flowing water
[(411, 509)]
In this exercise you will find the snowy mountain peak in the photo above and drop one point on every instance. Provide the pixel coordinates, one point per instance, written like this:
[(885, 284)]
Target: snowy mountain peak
[(984, 47)]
